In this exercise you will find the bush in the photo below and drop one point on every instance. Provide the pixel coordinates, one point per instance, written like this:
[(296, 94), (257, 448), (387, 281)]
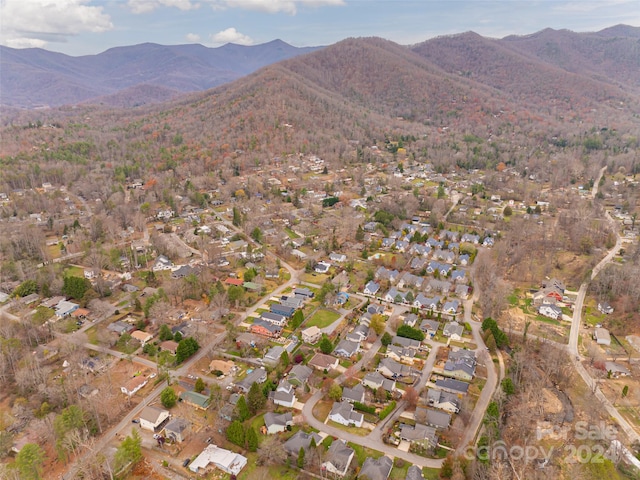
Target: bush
[(387, 410), (364, 408), (410, 332)]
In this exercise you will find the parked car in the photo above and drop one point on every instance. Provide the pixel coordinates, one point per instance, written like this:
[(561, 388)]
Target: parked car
[(186, 462)]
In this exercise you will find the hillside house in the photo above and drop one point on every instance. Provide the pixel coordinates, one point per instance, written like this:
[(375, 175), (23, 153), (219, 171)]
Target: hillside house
[(550, 311)]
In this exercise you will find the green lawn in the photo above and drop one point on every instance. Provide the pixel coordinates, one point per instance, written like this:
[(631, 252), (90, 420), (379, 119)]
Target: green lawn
[(74, 272), (291, 234), (363, 432), (322, 318), (363, 452)]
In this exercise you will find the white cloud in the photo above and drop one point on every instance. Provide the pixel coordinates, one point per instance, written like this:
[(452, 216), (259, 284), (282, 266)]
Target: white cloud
[(192, 37), (145, 6), (275, 6), (231, 35), (34, 23)]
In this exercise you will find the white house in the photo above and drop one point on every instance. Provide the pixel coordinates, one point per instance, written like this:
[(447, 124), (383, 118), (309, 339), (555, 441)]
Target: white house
[(151, 418), (344, 414), (311, 335), (550, 311), (602, 337), (277, 423), (227, 461), (371, 288)]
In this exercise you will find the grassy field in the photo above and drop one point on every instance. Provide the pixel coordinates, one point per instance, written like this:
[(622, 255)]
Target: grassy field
[(322, 318), (322, 409), (363, 432)]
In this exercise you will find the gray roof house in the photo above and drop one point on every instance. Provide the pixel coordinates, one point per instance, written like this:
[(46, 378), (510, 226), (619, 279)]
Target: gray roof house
[(453, 328), (277, 423), (339, 458), (300, 440), (355, 394), (299, 375), (346, 348), (371, 288), (259, 375), (375, 380), (430, 327), (452, 386), (414, 473), (344, 414), (406, 342), (419, 433), (446, 401), (272, 357), (376, 468)]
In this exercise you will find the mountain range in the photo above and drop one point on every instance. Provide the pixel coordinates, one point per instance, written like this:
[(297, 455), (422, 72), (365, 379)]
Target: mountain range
[(128, 76)]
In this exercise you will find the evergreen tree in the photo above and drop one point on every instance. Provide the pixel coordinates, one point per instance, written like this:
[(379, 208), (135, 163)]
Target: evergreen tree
[(199, 386), (29, 461), (300, 461), (326, 346), (235, 433), (129, 451), (242, 410), (168, 397), (252, 440), (255, 399)]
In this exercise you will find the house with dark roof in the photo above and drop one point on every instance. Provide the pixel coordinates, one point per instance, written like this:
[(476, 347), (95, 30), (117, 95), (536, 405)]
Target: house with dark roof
[(355, 394), (299, 375), (259, 375), (376, 468), (177, 430), (375, 380), (406, 342), (449, 402), (419, 434), (266, 329), (304, 292), (346, 348), (414, 473), (282, 310), (430, 327), (274, 318), (300, 440), (275, 423), (453, 386), (371, 288)]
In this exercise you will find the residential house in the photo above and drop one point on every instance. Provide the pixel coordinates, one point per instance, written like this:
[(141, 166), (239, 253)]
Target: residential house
[(387, 243), (371, 288), (153, 418), (430, 327), (422, 301), (392, 369), (266, 329), (411, 319), (322, 362), (162, 263), (414, 473), (283, 395), (275, 423), (452, 386), (346, 348), (383, 274), (602, 336), (359, 334), (168, 346), (303, 292), (338, 458), (556, 284), (470, 238), (488, 242), (418, 263), (550, 311), (409, 280), (355, 394), (182, 272), (195, 399), (604, 307), (401, 354), (274, 318), (321, 267), (370, 227), (344, 414), (436, 419), (119, 327), (376, 468), (464, 259), (259, 375), (402, 245), (462, 291), (337, 257), (395, 296), (301, 440), (459, 276), (272, 357), (133, 385), (453, 330), (142, 337), (66, 308), (446, 401), (419, 434), (227, 461), (311, 335), (616, 370), (177, 430), (406, 342), (435, 285), (444, 255), (375, 380), (282, 310), (299, 375), (293, 301)]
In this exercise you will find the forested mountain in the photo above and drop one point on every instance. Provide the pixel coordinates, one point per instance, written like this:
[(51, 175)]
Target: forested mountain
[(35, 77), (467, 101)]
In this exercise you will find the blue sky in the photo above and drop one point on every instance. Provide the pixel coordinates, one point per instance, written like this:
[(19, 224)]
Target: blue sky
[(81, 27)]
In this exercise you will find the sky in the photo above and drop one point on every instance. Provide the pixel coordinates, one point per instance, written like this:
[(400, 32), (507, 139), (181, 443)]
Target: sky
[(87, 27)]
